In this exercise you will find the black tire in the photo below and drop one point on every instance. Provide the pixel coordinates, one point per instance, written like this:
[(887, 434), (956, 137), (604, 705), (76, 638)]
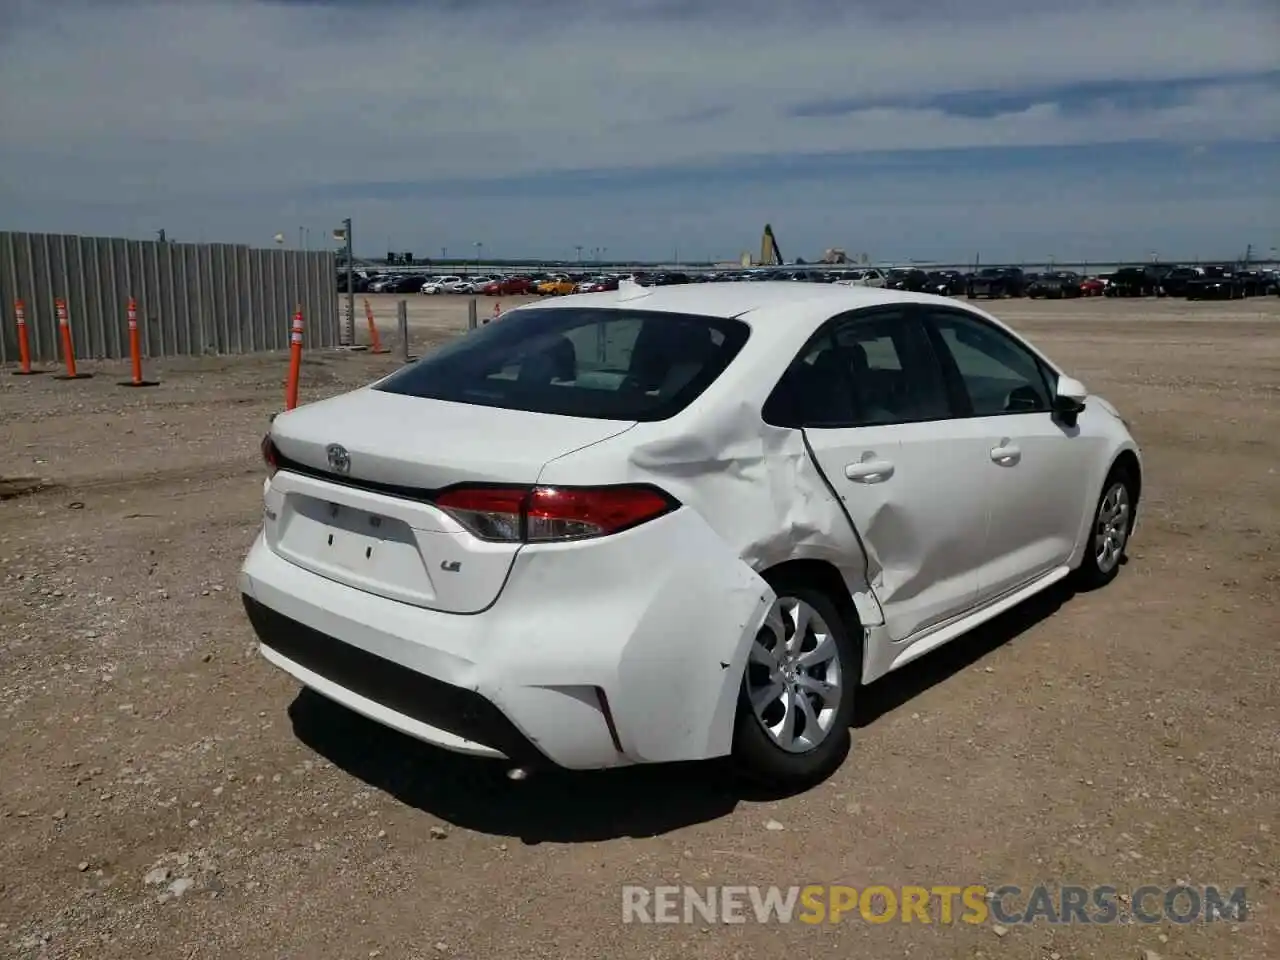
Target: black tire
[(756, 757), (1090, 575)]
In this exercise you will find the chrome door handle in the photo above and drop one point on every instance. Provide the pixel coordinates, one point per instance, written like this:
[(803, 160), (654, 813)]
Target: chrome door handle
[(869, 471), (1007, 453)]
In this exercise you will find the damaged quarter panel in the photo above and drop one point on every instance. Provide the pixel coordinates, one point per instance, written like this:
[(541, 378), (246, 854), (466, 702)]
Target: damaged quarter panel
[(668, 660), (752, 499), (755, 485), (761, 499)]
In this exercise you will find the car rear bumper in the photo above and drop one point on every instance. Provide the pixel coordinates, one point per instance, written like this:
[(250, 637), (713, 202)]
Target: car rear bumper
[(595, 655), (411, 702)]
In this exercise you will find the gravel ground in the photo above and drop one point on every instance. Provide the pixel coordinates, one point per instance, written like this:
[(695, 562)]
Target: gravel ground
[(166, 793)]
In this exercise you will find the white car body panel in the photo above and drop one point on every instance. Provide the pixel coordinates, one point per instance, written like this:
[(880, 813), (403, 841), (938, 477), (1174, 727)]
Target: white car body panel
[(441, 284), (1037, 496), (923, 529), (453, 442), (540, 629), (540, 660)]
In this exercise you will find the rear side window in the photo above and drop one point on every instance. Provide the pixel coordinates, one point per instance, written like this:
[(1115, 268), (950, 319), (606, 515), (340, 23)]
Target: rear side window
[(865, 369), (579, 362)]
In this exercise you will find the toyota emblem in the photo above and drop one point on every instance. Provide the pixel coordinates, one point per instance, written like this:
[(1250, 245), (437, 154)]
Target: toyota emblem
[(339, 459)]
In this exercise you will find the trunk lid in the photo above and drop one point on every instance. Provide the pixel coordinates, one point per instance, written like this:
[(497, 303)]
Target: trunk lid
[(372, 526)]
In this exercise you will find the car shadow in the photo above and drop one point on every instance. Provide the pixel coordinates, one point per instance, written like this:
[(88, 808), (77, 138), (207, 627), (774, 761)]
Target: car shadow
[(549, 806), (578, 807), (908, 682)]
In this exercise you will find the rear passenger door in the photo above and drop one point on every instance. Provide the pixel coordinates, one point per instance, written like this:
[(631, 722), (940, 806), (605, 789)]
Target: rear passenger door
[(872, 400)]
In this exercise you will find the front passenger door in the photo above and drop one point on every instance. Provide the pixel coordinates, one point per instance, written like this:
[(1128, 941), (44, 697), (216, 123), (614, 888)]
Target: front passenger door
[(1036, 467)]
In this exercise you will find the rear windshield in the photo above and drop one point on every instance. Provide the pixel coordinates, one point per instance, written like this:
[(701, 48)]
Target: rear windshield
[(580, 362)]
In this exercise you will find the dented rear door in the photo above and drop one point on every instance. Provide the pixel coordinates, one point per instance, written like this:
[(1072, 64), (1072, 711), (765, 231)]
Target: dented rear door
[(917, 496), (912, 477)]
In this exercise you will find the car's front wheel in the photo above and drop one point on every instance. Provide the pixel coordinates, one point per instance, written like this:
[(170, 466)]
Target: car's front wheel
[(795, 705), (1109, 535)]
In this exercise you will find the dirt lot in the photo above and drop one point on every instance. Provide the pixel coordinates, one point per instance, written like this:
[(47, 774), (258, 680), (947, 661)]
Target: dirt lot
[(166, 793)]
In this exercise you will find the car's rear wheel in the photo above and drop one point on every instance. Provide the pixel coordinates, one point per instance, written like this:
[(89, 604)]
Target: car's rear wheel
[(1109, 535), (795, 705)]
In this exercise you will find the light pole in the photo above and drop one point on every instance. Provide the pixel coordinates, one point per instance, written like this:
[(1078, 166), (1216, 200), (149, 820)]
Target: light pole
[(579, 249), (479, 252), (349, 326)]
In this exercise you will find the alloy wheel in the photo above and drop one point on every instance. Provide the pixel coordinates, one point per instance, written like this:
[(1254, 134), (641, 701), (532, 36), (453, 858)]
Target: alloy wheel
[(793, 680), (1111, 528)]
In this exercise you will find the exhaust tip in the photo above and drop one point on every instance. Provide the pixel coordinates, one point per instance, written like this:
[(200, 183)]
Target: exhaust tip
[(517, 773)]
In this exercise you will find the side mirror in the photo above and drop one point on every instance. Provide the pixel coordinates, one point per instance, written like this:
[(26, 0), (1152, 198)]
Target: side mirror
[(1069, 400)]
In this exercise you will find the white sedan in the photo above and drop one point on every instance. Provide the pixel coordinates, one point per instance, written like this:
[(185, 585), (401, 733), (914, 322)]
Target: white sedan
[(676, 523)]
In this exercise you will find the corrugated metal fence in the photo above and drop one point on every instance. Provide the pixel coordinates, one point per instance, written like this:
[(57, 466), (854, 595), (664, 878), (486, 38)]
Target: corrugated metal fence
[(192, 298)]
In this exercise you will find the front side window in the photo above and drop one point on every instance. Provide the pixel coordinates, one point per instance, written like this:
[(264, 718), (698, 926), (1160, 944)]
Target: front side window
[(999, 375), (582, 362)]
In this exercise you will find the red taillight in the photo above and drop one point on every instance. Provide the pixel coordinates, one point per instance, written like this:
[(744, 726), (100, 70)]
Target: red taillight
[(491, 513), (270, 455), (565, 513), (543, 514)]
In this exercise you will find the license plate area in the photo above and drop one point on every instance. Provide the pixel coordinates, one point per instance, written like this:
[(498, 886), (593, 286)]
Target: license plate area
[(354, 536), (365, 549)]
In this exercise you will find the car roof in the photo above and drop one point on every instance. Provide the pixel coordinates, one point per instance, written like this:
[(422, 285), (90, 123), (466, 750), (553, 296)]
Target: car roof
[(758, 300)]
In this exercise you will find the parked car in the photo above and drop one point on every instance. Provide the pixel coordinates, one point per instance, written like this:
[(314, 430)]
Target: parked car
[(1174, 282), (437, 285), (359, 283), (1092, 286), (1055, 285), (904, 278), (872, 277), (1254, 283), (1216, 282), (996, 282), (946, 283), (665, 279), (557, 287), (1134, 282), (527, 548), (403, 284), (508, 287)]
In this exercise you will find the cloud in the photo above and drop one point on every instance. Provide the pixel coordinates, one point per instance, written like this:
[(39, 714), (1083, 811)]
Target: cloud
[(123, 114)]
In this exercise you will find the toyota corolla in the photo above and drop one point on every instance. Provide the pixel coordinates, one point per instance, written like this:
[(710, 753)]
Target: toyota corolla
[(676, 523)]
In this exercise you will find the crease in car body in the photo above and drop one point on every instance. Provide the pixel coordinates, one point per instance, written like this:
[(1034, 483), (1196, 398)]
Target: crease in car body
[(783, 507)]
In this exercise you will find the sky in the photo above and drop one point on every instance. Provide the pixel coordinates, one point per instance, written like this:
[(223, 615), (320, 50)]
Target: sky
[(651, 129)]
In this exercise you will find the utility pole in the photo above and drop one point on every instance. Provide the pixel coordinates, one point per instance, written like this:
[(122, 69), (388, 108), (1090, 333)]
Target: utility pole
[(349, 327)]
